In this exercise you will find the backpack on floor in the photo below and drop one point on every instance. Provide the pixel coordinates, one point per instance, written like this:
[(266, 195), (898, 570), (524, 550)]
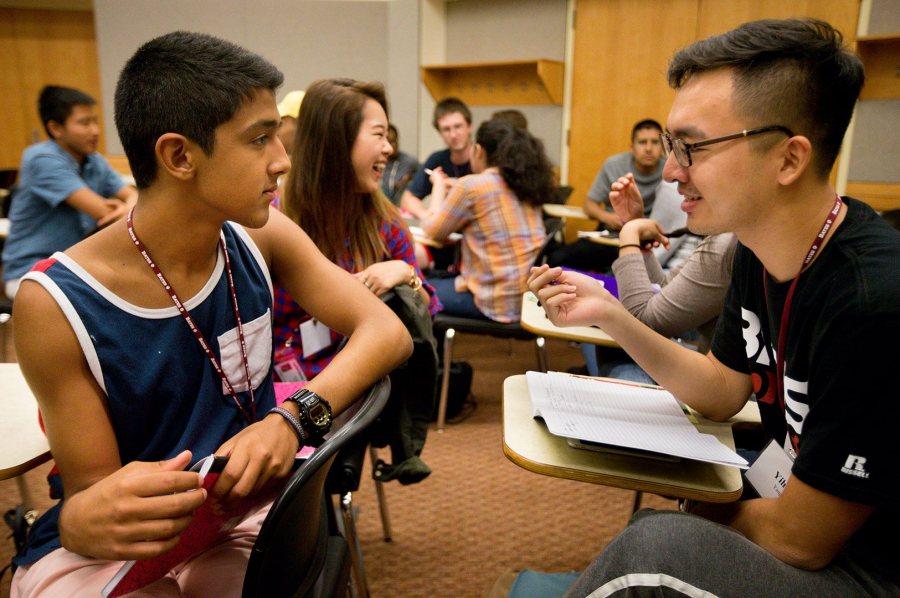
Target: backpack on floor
[(459, 389)]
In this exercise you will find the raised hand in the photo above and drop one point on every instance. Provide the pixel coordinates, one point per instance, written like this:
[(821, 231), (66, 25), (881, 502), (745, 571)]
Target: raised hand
[(625, 198)]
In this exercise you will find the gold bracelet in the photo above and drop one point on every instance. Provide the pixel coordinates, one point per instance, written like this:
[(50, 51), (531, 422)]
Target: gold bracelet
[(414, 281)]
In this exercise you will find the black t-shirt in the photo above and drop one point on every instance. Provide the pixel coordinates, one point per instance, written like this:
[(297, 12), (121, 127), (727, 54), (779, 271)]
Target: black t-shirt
[(421, 183), (841, 368)]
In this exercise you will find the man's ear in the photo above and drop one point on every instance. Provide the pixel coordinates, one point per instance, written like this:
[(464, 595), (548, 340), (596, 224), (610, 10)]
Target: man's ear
[(55, 129), (177, 155), (795, 156)]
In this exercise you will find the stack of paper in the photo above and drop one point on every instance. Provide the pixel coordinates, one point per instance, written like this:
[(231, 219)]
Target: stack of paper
[(624, 415)]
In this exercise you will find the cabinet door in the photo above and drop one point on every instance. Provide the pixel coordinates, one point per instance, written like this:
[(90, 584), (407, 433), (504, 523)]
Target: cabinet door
[(621, 51)]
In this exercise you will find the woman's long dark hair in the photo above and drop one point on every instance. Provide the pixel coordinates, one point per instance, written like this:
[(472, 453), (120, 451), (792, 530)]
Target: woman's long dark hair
[(320, 193), (520, 158)]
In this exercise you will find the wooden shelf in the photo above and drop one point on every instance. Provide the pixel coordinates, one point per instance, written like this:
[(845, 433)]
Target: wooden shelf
[(513, 83), (881, 55), (884, 197)]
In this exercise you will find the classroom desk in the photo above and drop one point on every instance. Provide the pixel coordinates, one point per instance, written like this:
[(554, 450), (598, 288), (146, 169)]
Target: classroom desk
[(528, 444), (555, 210), (536, 321), (23, 446), (420, 237), (610, 239)]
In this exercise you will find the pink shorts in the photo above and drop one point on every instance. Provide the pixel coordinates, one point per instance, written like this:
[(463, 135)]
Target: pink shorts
[(217, 572)]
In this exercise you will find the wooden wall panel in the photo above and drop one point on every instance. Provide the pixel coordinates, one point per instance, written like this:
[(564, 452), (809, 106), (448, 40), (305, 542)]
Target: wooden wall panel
[(621, 49), (42, 47), (716, 16)]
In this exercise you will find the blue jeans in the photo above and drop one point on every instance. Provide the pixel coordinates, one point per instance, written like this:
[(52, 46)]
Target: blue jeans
[(455, 304)]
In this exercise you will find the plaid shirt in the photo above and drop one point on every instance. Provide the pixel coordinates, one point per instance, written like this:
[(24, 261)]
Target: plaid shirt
[(501, 238), (288, 316)]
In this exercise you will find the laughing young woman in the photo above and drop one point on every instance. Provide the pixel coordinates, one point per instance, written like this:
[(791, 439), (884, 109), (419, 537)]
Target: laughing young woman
[(333, 193)]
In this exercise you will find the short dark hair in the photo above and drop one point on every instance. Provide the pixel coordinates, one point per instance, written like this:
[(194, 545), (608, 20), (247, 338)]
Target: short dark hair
[(647, 123), (521, 159), (186, 83), (795, 73), (448, 106), (513, 117), (56, 103)]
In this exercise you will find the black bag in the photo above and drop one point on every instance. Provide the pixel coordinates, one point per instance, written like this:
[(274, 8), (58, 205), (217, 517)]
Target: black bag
[(459, 389)]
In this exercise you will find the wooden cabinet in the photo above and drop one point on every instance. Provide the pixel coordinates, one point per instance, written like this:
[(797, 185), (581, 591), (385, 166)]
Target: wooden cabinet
[(512, 83)]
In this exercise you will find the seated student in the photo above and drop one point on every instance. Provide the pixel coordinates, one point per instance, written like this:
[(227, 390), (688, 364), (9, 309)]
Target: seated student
[(289, 110), (686, 298), (133, 388), (66, 189), (498, 211), (453, 120), (756, 124), (643, 161), (399, 170), (333, 193)]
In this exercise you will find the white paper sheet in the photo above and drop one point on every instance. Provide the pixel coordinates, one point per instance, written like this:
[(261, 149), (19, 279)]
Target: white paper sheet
[(622, 415)]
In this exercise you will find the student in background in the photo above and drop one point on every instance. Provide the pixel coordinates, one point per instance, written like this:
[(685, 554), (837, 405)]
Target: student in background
[(333, 192), (513, 117), (453, 120), (399, 170), (680, 302), (128, 393), (757, 122), (644, 162), (65, 190), (498, 211), (289, 110)]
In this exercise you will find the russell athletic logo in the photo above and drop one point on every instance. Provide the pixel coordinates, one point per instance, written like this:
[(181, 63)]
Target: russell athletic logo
[(855, 466)]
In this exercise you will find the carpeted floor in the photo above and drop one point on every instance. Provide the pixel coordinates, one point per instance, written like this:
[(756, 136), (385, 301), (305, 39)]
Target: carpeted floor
[(478, 518)]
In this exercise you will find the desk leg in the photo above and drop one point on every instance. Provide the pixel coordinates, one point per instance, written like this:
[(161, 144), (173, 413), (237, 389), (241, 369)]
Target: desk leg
[(637, 501)]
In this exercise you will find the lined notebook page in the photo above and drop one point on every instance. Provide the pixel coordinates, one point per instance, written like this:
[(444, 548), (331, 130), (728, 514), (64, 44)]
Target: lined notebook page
[(622, 415)]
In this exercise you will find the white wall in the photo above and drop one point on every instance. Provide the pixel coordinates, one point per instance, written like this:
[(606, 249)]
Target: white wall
[(499, 30), (306, 39)]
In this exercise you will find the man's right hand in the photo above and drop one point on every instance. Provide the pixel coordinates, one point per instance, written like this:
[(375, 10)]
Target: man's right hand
[(135, 513)]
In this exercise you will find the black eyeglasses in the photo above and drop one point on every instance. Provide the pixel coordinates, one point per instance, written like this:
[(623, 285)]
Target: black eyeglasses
[(682, 150)]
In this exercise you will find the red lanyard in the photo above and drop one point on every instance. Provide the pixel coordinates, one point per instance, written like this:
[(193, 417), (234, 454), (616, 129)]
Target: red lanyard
[(193, 326), (786, 310)]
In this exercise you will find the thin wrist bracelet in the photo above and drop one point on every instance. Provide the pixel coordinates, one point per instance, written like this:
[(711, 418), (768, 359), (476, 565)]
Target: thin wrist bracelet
[(636, 245), (294, 422)]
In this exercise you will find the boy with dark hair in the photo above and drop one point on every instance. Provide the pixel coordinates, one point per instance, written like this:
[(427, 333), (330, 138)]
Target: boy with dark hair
[(758, 115), (66, 189), (453, 120), (159, 361)]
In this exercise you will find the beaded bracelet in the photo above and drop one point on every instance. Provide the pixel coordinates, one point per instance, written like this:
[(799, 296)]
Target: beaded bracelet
[(294, 422)]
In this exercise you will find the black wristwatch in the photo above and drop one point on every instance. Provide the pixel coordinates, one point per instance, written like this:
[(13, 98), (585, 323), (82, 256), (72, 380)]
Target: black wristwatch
[(315, 415)]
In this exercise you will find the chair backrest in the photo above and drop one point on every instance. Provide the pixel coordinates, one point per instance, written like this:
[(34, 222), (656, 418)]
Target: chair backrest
[(552, 227), (290, 551)]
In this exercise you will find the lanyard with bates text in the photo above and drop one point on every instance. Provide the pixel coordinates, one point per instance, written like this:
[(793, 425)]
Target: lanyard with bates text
[(251, 417), (786, 310)]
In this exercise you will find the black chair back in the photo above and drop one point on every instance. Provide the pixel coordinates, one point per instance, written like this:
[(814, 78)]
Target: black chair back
[(295, 548)]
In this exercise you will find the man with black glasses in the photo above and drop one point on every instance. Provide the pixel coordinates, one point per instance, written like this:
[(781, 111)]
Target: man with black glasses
[(755, 127)]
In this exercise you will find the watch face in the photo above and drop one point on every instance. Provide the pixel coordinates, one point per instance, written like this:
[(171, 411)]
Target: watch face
[(318, 414)]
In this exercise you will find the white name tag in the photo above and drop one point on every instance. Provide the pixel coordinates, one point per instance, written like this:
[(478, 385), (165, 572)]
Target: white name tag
[(771, 471), (289, 371), (315, 336)]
